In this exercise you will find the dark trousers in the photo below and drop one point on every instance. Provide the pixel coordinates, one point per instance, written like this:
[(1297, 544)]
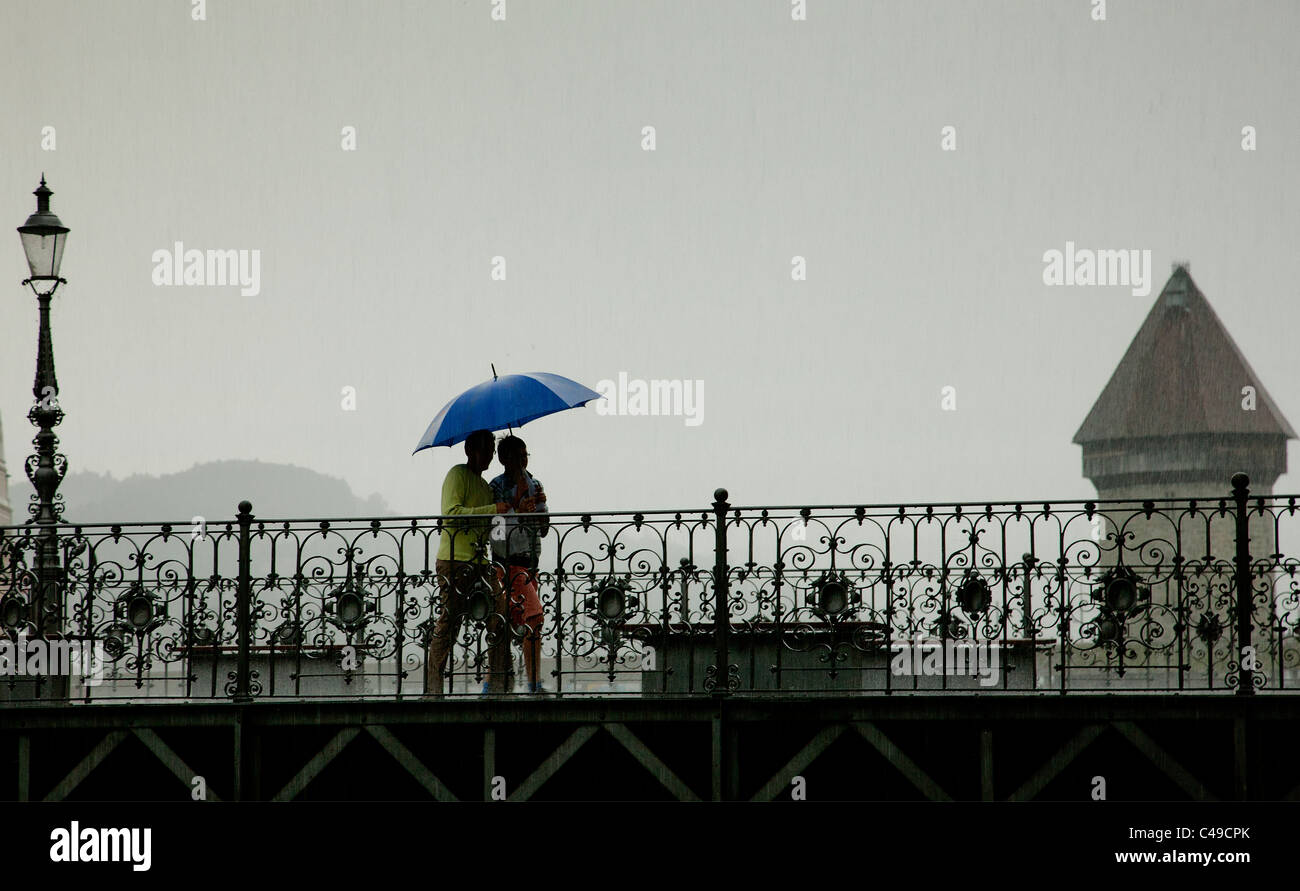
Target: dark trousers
[(456, 583)]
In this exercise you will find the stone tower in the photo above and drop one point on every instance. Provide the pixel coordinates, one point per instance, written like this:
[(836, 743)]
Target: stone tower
[(1182, 413), (6, 512)]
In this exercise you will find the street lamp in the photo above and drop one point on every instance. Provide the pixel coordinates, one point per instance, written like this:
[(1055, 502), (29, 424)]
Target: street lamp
[(44, 238)]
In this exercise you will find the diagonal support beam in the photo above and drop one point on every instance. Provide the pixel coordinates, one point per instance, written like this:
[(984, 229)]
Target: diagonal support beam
[(163, 752), (317, 764), (88, 764), (414, 766), (1057, 763), (796, 765), (1163, 760), (535, 781), (650, 761), (906, 766)]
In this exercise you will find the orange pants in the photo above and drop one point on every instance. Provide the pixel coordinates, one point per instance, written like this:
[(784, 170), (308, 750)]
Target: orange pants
[(520, 585)]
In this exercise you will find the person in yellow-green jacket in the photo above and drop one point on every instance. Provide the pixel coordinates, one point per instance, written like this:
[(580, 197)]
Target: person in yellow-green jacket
[(463, 563)]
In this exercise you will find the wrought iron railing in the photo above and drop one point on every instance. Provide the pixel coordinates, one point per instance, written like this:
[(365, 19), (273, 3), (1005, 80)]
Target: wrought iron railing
[(1000, 597)]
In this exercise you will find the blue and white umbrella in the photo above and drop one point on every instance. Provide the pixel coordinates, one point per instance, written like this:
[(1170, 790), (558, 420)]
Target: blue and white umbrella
[(502, 403)]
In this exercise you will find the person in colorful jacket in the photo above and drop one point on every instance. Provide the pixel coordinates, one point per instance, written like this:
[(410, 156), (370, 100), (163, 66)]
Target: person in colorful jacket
[(517, 548)]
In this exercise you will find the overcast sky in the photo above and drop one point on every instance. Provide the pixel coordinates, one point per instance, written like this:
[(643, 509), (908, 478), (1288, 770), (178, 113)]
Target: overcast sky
[(523, 139)]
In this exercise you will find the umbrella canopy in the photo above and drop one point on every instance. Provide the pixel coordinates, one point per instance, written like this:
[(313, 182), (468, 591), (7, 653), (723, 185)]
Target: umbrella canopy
[(509, 401)]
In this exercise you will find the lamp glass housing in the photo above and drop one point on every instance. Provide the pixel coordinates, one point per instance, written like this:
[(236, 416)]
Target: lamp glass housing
[(44, 248)]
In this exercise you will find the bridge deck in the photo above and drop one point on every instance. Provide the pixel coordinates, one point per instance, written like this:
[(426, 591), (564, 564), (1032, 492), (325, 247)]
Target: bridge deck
[(971, 747)]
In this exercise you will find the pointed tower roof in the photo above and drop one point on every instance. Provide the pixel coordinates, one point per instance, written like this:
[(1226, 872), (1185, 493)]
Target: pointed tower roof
[(1182, 374)]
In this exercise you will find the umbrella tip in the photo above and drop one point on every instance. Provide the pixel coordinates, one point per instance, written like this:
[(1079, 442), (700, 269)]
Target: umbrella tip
[(494, 370)]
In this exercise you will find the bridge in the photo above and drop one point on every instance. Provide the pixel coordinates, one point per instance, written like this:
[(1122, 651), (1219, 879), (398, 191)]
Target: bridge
[(997, 651)]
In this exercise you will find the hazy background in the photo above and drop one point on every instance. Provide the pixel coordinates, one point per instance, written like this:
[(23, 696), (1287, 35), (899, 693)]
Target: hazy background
[(522, 138)]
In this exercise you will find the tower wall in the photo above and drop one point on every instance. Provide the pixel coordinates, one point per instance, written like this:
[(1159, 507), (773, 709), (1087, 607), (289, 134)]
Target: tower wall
[(1173, 529), (1188, 467)]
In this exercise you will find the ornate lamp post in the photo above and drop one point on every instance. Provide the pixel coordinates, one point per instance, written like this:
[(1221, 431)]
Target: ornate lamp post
[(44, 238)]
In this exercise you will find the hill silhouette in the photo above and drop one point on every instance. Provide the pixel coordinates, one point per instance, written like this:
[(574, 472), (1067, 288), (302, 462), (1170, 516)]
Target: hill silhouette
[(213, 490)]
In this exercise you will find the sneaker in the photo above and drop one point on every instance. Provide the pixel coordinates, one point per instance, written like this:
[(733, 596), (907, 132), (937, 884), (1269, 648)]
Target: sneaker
[(539, 689)]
